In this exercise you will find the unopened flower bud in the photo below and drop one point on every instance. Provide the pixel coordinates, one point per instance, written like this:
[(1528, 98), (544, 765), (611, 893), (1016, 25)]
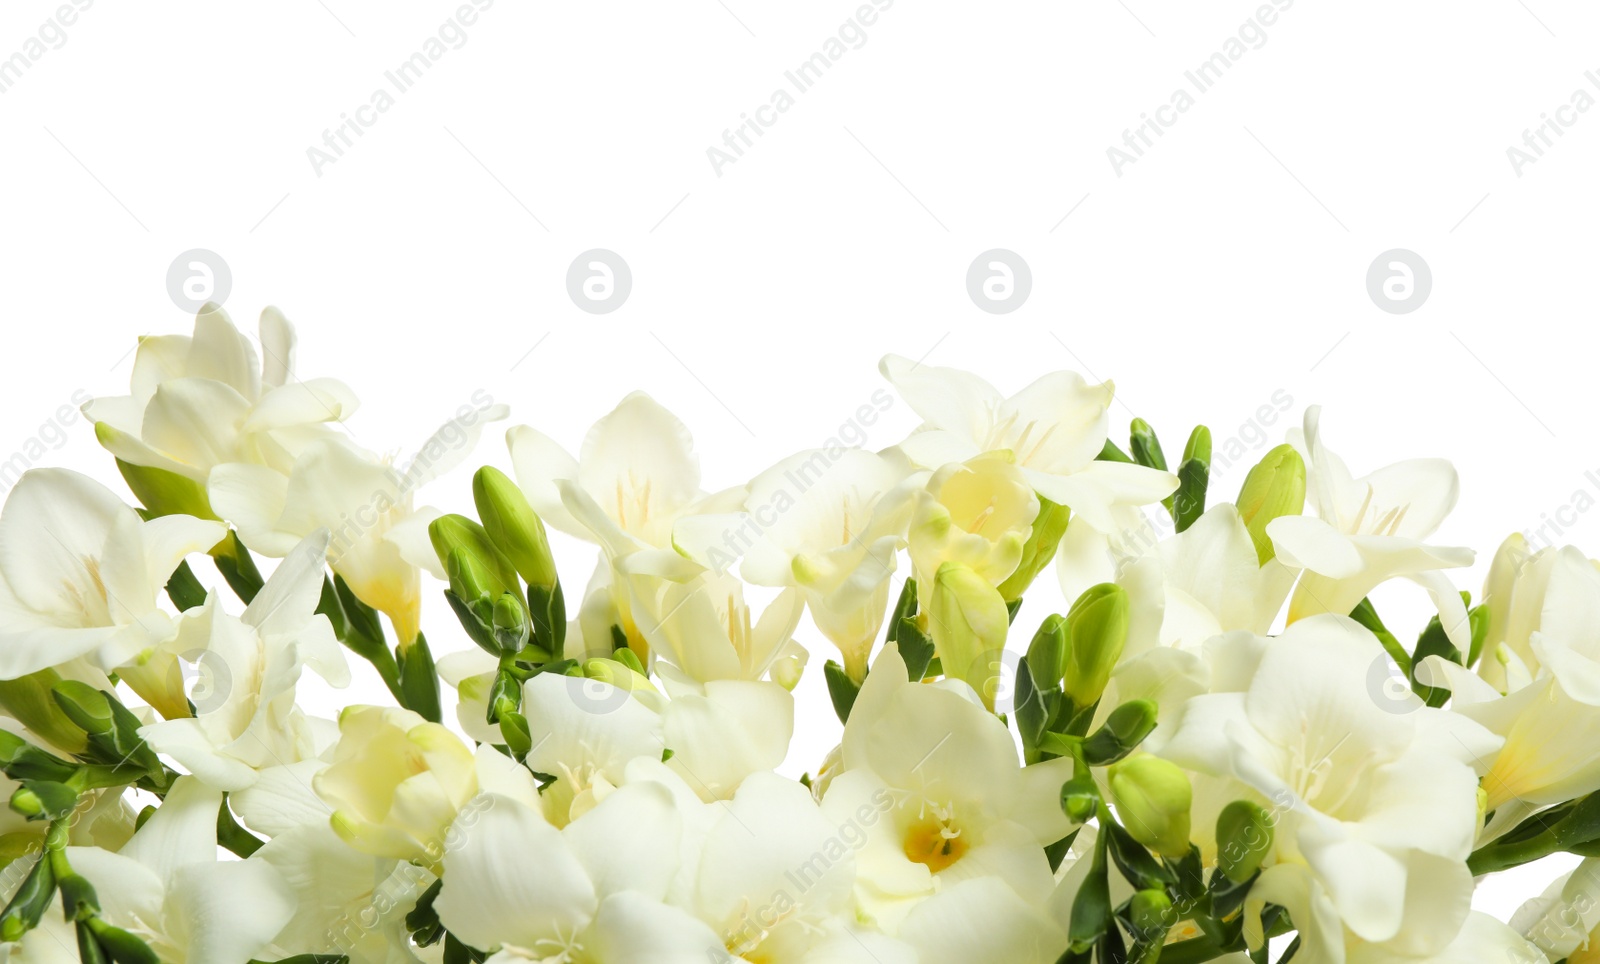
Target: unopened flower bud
[(1274, 487), (1124, 730), (1043, 541), (969, 621), (512, 525), (1150, 913), (1080, 798), (1153, 797), (1098, 627), (1244, 838)]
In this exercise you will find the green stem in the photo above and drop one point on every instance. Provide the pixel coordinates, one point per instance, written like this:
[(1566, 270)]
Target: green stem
[(1496, 857)]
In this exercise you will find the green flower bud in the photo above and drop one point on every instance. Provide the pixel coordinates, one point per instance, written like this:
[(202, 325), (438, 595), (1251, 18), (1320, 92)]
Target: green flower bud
[(477, 570), (1275, 486), (618, 673), (1043, 540), (1047, 654), (44, 800), (28, 700), (1198, 448), (28, 905), (88, 708), (123, 946), (969, 620), (1146, 448), (1080, 798), (511, 626), (1188, 503), (1153, 797), (1124, 730), (513, 526), (1244, 838), (1098, 627), (1150, 913)]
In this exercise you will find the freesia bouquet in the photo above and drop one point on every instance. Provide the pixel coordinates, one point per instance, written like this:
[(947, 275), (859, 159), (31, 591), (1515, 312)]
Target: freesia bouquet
[(1219, 751)]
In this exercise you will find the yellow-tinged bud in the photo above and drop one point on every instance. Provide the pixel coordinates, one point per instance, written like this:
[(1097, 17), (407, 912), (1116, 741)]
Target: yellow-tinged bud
[(513, 526), (396, 783), (1275, 487), (1097, 625), (1043, 540), (968, 622), (1153, 796), (979, 513), (618, 674)]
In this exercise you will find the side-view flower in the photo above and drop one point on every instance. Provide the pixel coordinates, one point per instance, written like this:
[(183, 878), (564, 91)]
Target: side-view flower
[(1215, 749)]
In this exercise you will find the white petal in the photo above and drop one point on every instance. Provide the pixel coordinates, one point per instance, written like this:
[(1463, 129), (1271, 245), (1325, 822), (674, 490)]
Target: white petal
[(510, 878), (947, 398)]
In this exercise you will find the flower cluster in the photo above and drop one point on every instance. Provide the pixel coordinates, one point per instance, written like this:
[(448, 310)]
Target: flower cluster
[(1219, 751)]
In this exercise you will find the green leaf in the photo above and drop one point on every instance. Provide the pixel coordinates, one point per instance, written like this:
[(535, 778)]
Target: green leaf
[(1138, 866), (916, 649), (238, 840), (184, 588), (238, 567), (1110, 453), (1091, 909), (1366, 615), (1028, 709), (841, 688), (418, 680)]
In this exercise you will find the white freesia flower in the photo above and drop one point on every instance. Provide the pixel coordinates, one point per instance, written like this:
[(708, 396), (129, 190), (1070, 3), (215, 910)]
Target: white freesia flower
[(379, 537), (1056, 427), (829, 523), (956, 805), (976, 513), (205, 400), (704, 627), (1376, 811), (397, 782), (1370, 530), (637, 463), (1549, 722), (168, 888), (246, 719), (636, 476), (770, 873), (591, 893), (344, 900), (81, 575)]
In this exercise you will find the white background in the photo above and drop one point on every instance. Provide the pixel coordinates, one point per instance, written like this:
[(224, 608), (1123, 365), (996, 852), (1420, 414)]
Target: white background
[(1228, 263)]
